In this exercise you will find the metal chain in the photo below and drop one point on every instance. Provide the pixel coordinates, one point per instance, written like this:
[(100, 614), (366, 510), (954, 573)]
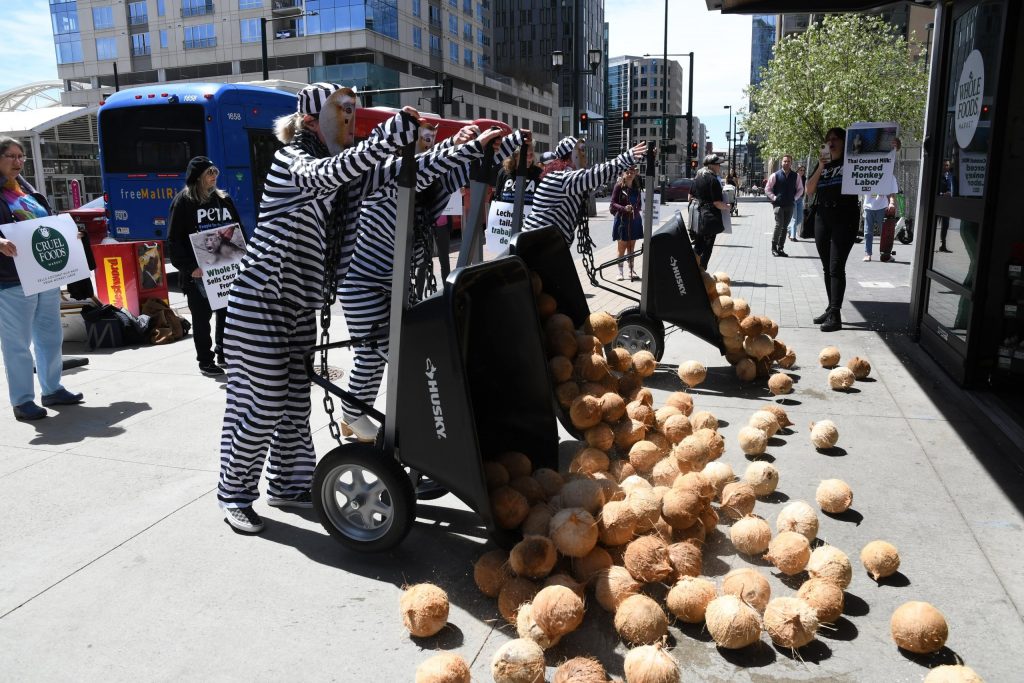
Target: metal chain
[(334, 236), (584, 243)]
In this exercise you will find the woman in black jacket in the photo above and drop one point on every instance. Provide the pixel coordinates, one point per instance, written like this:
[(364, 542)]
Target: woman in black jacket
[(200, 206)]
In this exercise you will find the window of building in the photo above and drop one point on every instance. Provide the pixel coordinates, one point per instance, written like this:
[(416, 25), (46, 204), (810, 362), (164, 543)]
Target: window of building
[(137, 13), (453, 51), (416, 8), (106, 48), (417, 37), (435, 15), (453, 3), (467, 6), (68, 47), (163, 39), (161, 9), (195, 8), (200, 36), (453, 24), (435, 46), (102, 17), (64, 20), (467, 32), (467, 57), (249, 30), (247, 4), (140, 44)]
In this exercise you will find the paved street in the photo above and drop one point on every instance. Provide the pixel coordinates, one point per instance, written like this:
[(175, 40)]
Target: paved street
[(115, 564)]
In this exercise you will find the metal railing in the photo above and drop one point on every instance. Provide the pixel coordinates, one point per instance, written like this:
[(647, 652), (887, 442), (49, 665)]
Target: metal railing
[(196, 10), (141, 51), (198, 43)]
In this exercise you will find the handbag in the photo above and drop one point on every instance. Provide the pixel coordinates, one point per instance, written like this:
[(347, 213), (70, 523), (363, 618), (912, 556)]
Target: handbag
[(806, 231)]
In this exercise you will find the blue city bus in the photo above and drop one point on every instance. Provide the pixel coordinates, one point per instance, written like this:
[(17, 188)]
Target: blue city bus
[(147, 136)]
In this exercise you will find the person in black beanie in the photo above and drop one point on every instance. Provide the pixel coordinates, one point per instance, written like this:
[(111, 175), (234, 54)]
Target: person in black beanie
[(201, 205)]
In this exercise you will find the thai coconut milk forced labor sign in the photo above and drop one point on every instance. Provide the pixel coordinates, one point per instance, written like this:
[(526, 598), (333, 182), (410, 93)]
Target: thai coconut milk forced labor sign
[(870, 156), (219, 253), (50, 254)]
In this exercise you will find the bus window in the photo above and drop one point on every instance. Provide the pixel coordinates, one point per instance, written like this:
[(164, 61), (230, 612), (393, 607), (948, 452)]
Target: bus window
[(153, 139), (263, 144)]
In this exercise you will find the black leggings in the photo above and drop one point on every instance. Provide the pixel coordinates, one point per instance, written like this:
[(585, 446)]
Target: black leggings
[(834, 235)]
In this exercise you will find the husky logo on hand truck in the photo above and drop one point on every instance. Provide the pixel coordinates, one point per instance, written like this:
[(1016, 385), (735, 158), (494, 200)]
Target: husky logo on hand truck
[(435, 400)]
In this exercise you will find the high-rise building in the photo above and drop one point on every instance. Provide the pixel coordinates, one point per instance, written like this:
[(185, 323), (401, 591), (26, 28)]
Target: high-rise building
[(369, 44)]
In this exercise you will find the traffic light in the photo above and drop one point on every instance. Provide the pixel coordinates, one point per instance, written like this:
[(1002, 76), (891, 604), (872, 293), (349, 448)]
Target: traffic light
[(627, 120), (672, 129), (693, 150), (447, 85), (693, 163), (584, 121)]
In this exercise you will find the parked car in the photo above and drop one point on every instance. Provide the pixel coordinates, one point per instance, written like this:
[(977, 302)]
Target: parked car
[(678, 190), (93, 217)]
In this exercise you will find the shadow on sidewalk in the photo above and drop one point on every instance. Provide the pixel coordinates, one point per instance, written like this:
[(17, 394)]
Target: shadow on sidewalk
[(72, 424)]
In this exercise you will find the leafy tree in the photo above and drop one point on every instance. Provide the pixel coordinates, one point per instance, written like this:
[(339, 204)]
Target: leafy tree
[(853, 67)]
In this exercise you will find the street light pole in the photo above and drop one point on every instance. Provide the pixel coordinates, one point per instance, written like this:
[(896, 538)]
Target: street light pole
[(664, 109), (263, 44), (575, 70), (728, 135)]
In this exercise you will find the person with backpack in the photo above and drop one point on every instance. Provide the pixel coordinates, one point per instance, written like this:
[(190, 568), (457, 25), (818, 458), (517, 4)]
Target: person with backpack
[(707, 190)]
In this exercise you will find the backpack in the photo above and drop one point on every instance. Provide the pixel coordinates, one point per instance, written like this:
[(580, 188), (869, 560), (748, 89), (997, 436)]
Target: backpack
[(167, 326)]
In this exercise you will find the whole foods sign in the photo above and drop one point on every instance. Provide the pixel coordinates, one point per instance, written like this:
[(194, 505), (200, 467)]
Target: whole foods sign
[(969, 92), (50, 253)]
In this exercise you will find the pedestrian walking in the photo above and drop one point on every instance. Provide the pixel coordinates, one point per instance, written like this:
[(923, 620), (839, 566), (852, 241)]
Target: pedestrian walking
[(269, 326), (783, 188), (30, 330), (628, 226), (876, 207), (201, 206), (835, 225), (798, 207), (947, 188), (707, 190)]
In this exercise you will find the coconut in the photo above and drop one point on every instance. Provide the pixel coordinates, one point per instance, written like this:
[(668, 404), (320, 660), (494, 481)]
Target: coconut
[(681, 507), (800, 517), (585, 412), (491, 571), (790, 622), (628, 432), (621, 470), (444, 667), (587, 567), (530, 488), (514, 593), (766, 420), (580, 670), (662, 414), (617, 523), (517, 464), (665, 472), (952, 673), (613, 407), (495, 475), (834, 496), (561, 344), (643, 456), (639, 620), (546, 305), (722, 307), (919, 628), (824, 597), (841, 378), (749, 586), (538, 521), (771, 328), (650, 664), (633, 482), (689, 597), (566, 393), (730, 326), (686, 559), (518, 661), (763, 477), (709, 283), (645, 363), (536, 283), (629, 383), (698, 483), (719, 474), (778, 412), (695, 534), (591, 367), (681, 400), (753, 441), (646, 506), (641, 412), (691, 454), (549, 480), (613, 585), (751, 535), (750, 325), (566, 581), (880, 558), (559, 321), (709, 518), (789, 552), (789, 360), (738, 499), (713, 442), (583, 492), (619, 359), (780, 383), (746, 371), (758, 346), (527, 627), (733, 624), (509, 506), (573, 531), (778, 350), (424, 609), (590, 460), (587, 343), (692, 372), (533, 557), (824, 434), (660, 441), (860, 367), (600, 436), (646, 559), (557, 610), (828, 357), (762, 368), (831, 564), (602, 325)]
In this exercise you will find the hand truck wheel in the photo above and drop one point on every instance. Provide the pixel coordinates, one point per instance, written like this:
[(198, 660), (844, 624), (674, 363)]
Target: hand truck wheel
[(640, 332), (363, 497)]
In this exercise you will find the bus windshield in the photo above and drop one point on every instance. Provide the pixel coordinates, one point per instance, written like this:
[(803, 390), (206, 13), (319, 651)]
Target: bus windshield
[(153, 139)]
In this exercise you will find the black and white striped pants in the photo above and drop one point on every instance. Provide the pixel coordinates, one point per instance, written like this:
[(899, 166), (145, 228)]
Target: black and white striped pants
[(268, 399), (367, 312)]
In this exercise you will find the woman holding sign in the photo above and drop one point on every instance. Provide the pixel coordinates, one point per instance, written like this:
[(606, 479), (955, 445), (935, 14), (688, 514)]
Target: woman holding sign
[(201, 206), (32, 320), (836, 219)]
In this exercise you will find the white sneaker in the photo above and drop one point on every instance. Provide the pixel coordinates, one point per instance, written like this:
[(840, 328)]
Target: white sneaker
[(361, 429), (867, 257), (621, 276)]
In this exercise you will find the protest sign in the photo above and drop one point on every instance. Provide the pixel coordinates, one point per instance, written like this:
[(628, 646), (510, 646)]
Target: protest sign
[(454, 205), (219, 253), (50, 254), (870, 156), (972, 168), (499, 227)]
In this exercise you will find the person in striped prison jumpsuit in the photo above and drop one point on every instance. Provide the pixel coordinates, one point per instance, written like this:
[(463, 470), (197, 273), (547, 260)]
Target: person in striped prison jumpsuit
[(270, 320), (366, 291), (566, 181)]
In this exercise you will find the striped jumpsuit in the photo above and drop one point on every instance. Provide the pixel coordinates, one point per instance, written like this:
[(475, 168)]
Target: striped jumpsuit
[(270, 322), (559, 194), (366, 291)]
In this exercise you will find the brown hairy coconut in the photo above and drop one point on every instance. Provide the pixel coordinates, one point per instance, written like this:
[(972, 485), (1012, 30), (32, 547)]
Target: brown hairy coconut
[(561, 369), (834, 496), (919, 628), (650, 664), (746, 370), (491, 572), (591, 367), (574, 532), (586, 568), (645, 363), (580, 670), (587, 343), (763, 477), (538, 521), (646, 506), (789, 552), (766, 420), (751, 535), (749, 585), (559, 321), (516, 592), (771, 328), (841, 378), (518, 661), (709, 283), (681, 507), (828, 357), (686, 559), (621, 469), (703, 419), (800, 517), (692, 372), (585, 412), (629, 384), (561, 343), (600, 436), (880, 558), (613, 585), (645, 396), (713, 441), (617, 523), (518, 464), (530, 488), (546, 306), (722, 306), (509, 506), (951, 673), (831, 564), (738, 499), (753, 441), (643, 456), (660, 441), (603, 326), (733, 624), (641, 412), (639, 620), (665, 472), (663, 413), (758, 346), (780, 384), (566, 581), (790, 622), (533, 557), (495, 474), (723, 289), (677, 428), (646, 559), (750, 325), (824, 434), (526, 627), (719, 474), (860, 367), (789, 360), (557, 610), (697, 482), (825, 597), (740, 308), (730, 326), (424, 609), (444, 667), (549, 480), (779, 412), (582, 492), (619, 359), (691, 454), (613, 407), (689, 597), (681, 400), (628, 432), (566, 392), (779, 352), (590, 460)]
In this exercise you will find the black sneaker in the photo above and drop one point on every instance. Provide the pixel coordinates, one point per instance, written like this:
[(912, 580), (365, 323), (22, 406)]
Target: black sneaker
[(775, 252), (833, 322), (244, 520), (819, 319), (211, 369), (303, 501), (781, 253)]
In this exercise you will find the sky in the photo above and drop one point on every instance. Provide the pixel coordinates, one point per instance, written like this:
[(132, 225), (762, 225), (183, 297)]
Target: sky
[(721, 46)]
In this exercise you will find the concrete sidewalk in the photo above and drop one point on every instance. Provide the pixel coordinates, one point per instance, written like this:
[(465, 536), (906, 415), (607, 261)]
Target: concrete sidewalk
[(115, 563)]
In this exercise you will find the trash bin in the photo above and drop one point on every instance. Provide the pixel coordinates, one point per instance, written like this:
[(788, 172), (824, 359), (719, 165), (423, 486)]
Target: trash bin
[(128, 273)]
